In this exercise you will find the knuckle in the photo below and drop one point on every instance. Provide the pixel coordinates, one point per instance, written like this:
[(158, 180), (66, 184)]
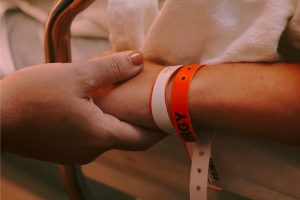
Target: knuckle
[(116, 66), (106, 132), (107, 140), (100, 139), (83, 75)]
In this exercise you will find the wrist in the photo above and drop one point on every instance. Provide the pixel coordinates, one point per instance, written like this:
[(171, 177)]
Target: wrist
[(148, 76), (195, 98), (130, 100)]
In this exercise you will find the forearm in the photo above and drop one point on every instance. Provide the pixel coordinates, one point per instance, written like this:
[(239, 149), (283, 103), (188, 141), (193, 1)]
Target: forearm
[(259, 100)]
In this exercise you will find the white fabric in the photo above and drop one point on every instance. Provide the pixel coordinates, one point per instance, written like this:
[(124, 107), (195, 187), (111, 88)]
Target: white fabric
[(129, 22), (218, 31), (207, 31), (293, 28)]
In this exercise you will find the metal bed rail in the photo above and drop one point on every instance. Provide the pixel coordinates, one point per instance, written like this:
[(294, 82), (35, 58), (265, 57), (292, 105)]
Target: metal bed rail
[(58, 49)]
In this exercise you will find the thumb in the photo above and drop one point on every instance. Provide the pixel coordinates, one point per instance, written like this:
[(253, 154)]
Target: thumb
[(111, 69)]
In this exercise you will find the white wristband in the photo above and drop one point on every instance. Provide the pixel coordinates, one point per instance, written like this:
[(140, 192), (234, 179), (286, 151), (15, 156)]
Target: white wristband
[(158, 100), (200, 158)]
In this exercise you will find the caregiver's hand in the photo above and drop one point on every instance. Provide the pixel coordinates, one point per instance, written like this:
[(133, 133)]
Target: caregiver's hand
[(47, 113)]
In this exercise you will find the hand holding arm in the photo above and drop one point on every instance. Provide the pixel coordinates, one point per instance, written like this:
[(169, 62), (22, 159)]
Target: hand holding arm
[(47, 113)]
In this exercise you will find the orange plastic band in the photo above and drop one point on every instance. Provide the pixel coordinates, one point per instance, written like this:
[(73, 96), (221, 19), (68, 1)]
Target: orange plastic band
[(179, 104), (198, 151)]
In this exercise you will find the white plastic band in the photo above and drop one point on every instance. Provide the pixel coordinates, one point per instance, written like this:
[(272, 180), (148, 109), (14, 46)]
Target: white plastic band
[(199, 169), (158, 100), (203, 172)]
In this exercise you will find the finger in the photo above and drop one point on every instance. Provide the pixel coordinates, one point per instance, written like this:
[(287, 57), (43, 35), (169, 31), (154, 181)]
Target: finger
[(110, 69), (130, 137)]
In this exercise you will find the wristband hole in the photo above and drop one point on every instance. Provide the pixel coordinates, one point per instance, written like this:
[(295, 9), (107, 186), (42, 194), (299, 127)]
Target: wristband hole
[(198, 187), (201, 153), (183, 78), (199, 170), (189, 68)]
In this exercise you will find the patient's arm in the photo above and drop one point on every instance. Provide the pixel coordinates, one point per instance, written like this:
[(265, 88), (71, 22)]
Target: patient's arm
[(259, 100), (130, 100)]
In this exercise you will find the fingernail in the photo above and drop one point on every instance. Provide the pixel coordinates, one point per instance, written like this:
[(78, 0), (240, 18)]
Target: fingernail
[(136, 58)]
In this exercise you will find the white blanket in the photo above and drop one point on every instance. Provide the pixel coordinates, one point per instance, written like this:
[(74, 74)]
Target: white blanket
[(194, 31)]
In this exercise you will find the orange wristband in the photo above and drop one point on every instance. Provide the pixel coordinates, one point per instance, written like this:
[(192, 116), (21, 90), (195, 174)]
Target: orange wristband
[(179, 104), (198, 151)]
